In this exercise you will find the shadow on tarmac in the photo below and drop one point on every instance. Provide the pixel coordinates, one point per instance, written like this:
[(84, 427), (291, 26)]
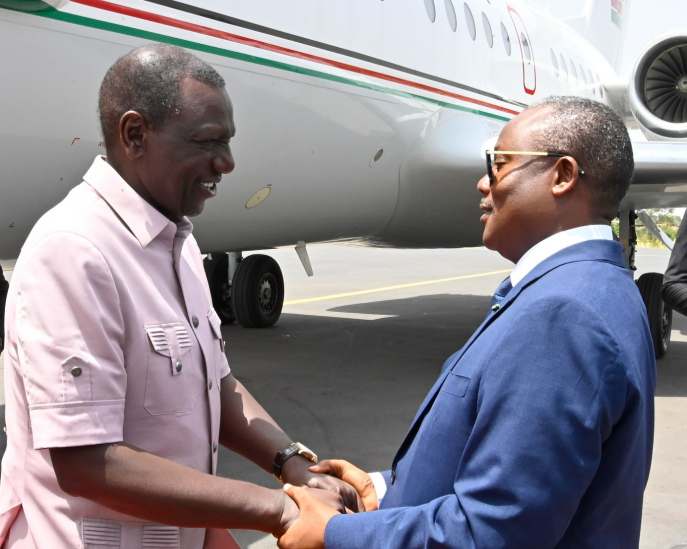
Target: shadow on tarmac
[(350, 388)]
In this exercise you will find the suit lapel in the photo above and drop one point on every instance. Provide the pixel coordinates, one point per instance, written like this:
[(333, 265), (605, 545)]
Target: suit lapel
[(593, 250)]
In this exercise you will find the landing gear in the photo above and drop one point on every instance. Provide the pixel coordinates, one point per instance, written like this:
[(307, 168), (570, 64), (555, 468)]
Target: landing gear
[(257, 292), (249, 290), (217, 271), (649, 284), (660, 316)]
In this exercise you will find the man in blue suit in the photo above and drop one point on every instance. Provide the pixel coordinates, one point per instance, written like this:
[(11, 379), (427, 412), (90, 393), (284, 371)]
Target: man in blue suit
[(538, 433)]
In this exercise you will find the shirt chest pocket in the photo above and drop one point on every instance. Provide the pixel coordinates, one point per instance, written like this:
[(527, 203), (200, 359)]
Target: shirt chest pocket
[(169, 383)]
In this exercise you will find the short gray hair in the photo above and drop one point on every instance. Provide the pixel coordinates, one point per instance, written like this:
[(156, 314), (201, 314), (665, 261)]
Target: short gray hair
[(597, 138), (147, 80)]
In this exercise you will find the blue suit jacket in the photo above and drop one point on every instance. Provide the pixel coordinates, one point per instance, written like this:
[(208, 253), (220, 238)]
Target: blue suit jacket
[(538, 433)]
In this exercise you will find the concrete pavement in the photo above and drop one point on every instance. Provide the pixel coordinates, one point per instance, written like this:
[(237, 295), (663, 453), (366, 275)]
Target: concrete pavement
[(345, 374)]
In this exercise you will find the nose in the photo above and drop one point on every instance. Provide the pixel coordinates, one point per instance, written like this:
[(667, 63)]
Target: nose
[(483, 185), (224, 162)]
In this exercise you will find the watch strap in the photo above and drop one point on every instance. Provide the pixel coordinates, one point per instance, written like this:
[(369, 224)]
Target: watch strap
[(281, 458)]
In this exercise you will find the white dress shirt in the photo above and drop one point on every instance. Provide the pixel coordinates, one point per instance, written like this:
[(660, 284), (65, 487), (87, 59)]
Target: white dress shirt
[(554, 244), (534, 256)]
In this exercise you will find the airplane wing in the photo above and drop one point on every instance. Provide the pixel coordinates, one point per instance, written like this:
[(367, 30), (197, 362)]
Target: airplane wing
[(660, 176)]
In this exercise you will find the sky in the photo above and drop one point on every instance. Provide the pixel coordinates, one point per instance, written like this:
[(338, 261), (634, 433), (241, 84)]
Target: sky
[(647, 19)]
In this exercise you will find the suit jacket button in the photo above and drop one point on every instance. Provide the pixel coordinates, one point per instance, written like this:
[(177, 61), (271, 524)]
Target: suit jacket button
[(393, 477), (195, 321)]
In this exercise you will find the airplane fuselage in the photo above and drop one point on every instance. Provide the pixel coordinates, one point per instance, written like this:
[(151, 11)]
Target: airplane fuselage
[(358, 120)]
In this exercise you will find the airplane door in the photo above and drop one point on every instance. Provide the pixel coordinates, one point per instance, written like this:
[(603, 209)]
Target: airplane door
[(529, 71)]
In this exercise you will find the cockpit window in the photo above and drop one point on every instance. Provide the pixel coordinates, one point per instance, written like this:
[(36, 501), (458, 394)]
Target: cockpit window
[(554, 62), (564, 68), (573, 74)]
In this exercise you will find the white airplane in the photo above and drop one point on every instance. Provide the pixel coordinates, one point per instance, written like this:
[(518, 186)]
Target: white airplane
[(357, 120)]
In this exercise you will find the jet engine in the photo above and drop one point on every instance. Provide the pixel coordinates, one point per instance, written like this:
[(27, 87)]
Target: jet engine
[(658, 89)]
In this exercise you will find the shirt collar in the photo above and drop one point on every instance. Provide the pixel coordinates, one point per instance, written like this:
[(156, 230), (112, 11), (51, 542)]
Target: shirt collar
[(555, 243), (142, 219)]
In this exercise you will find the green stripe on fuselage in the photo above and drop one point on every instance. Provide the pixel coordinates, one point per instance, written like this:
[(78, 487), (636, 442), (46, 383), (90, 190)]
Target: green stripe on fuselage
[(37, 7)]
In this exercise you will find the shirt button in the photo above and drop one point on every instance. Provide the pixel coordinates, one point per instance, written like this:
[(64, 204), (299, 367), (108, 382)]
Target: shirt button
[(76, 371), (210, 385), (214, 447), (393, 477), (195, 321), (179, 366)]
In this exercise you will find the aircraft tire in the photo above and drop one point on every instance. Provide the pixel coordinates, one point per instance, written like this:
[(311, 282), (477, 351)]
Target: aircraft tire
[(257, 292), (660, 316), (217, 270)]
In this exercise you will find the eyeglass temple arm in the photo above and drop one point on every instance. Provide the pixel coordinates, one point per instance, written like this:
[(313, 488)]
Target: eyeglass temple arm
[(524, 153)]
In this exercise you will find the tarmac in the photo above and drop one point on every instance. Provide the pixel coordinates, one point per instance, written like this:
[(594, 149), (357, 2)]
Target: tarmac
[(360, 344)]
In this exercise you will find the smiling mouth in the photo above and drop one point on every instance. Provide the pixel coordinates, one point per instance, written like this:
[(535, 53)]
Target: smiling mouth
[(209, 186)]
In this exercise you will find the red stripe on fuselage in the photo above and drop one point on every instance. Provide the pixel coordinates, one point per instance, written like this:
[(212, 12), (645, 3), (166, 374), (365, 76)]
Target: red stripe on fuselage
[(192, 27)]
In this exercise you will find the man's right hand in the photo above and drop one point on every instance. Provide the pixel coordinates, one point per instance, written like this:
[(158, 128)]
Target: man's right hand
[(291, 513), (349, 473)]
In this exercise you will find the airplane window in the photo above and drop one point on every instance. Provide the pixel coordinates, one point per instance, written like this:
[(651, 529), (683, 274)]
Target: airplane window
[(487, 30), (470, 21), (601, 86), (506, 39), (526, 48), (564, 68), (554, 62), (451, 15), (591, 82), (573, 74), (431, 10), (583, 77)]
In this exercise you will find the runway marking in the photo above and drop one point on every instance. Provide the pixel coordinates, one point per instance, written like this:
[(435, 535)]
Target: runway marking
[(390, 288)]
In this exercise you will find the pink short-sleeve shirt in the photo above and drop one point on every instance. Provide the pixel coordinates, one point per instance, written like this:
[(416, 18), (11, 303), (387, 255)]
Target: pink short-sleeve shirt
[(111, 336)]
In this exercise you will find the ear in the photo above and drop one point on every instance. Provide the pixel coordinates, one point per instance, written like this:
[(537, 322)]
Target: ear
[(566, 176), (133, 132)]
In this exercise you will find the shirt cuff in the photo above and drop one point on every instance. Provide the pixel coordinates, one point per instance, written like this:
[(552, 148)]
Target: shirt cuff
[(379, 484), (77, 424)]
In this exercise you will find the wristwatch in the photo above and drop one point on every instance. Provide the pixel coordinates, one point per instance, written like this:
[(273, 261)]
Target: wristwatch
[(294, 449)]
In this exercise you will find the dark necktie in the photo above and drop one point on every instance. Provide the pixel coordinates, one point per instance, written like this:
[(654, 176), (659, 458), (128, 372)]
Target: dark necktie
[(499, 294)]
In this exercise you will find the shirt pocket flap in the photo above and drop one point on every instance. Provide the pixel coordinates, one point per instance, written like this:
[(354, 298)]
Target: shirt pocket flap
[(455, 385), (170, 340), (216, 323), (164, 337)]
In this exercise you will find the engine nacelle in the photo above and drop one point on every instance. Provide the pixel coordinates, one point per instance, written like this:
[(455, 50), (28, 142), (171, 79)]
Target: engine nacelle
[(658, 89)]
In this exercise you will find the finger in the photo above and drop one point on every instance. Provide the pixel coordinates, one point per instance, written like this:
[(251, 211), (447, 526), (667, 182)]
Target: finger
[(300, 496), (334, 467), (352, 498)]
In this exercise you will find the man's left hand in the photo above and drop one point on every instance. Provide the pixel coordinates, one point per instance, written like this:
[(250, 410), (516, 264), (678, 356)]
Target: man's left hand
[(296, 472), (306, 532)]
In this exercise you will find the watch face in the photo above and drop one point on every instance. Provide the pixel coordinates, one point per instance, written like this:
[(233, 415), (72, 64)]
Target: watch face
[(306, 452)]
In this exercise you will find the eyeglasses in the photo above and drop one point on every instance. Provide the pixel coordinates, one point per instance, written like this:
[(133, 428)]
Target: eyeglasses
[(490, 155)]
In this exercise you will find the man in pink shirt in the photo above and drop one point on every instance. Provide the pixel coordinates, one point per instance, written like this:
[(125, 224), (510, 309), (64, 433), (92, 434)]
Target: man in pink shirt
[(118, 391)]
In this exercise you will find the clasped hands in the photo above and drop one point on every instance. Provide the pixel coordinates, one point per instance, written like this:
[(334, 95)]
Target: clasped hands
[(335, 487)]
